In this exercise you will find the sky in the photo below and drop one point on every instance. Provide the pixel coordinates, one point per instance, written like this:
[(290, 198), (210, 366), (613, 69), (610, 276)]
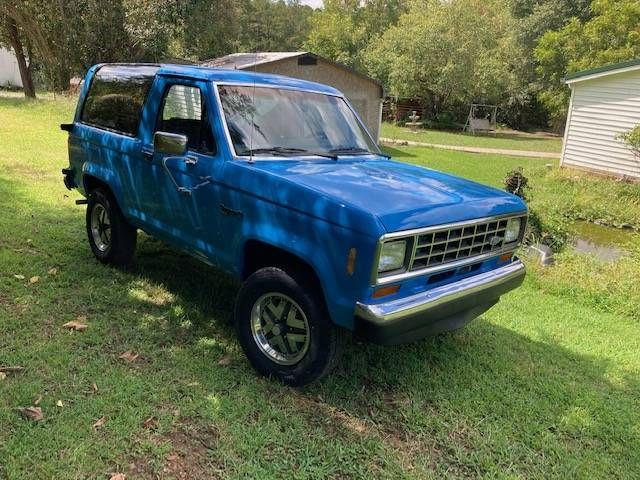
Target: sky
[(312, 3)]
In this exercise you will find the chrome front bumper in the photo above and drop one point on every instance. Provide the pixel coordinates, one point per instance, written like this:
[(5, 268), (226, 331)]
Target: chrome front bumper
[(440, 309)]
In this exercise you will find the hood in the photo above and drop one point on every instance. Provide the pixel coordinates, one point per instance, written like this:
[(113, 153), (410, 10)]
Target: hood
[(400, 195)]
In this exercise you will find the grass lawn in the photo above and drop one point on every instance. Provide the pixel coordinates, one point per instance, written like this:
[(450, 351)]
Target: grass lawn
[(504, 140), (546, 384)]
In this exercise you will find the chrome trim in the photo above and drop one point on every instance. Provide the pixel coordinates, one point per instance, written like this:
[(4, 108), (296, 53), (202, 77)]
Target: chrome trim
[(422, 303), (414, 235), (232, 149)]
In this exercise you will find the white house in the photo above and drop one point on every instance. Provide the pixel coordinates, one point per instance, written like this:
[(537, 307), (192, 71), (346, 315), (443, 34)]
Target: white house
[(9, 72), (605, 102)]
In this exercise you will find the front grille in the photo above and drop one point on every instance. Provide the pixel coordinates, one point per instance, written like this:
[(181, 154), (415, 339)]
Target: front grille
[(450, 244)]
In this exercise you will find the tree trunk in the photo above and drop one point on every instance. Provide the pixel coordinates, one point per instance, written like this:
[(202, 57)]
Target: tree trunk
[(25, 71)]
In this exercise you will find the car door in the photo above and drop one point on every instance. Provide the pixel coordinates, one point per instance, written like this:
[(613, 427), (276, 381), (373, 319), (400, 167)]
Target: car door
[(181, 193)]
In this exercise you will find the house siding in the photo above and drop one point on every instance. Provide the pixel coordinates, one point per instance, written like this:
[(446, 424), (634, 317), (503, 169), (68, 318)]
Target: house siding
[(601, 109), (9, 72)]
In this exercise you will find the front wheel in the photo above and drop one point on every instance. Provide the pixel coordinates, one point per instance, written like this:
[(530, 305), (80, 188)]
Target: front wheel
[(111, 237), (284, 329)]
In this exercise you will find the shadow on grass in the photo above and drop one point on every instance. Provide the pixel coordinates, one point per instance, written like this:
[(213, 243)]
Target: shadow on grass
[(486, 388)]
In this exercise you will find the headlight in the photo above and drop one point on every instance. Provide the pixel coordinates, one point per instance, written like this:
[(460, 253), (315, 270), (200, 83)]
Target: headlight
[(392, 255), (512, 232)]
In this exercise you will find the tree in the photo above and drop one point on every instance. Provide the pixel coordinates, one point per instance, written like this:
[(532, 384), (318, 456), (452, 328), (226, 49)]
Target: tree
[(344, 29), (449, 53), (611, 35), (11, 36), (532, 19), (273, 25)]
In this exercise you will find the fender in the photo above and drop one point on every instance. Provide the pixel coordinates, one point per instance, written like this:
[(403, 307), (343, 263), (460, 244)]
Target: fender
[(324, 247)]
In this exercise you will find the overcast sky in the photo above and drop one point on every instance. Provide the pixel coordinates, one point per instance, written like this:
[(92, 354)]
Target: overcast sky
[(312, 3)]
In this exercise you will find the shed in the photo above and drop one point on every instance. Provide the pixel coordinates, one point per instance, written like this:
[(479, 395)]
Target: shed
[(364, 93), (9, 72), (605, 102)]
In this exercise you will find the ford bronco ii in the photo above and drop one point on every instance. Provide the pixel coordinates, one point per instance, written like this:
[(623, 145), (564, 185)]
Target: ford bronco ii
[(277, 181)]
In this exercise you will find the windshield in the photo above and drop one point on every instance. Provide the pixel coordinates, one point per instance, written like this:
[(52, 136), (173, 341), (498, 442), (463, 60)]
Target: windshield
[(279, 122)]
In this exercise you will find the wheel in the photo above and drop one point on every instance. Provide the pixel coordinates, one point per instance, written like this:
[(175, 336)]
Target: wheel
[(111, 237), (284, 328)]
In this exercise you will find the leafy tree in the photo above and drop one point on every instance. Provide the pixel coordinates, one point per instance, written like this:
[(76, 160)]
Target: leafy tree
[(536, 17), (273, 25), (611, 35), (41, 23), (343, 30), (10, 36), (449, 53), (532, 19)]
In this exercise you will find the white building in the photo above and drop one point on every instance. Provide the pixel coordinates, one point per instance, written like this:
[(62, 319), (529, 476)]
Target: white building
[(605, 102), (9, 72)]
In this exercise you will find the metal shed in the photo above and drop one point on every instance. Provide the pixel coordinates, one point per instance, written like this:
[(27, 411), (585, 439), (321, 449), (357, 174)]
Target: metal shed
[(364, 93), (605, 102)]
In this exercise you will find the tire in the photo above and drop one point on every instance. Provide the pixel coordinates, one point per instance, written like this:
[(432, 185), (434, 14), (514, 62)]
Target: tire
[(261, 316), (115, 244)]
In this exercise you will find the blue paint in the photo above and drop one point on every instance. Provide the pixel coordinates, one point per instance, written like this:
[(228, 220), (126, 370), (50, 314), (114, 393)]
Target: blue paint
[(317, 209)]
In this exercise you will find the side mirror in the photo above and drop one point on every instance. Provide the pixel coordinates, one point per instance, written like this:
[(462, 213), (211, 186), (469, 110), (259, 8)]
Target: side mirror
[(170, 143)]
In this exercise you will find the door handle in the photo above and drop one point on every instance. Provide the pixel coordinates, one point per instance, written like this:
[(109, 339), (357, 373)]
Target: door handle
[(229, 211), (147, 154), (190, 160)]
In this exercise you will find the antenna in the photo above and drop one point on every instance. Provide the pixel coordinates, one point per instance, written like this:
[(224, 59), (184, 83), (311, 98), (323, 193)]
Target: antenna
[(253, 95)]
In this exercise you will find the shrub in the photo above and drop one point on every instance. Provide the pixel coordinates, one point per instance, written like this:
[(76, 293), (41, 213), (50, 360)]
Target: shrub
[(632, 139), (515, 182)]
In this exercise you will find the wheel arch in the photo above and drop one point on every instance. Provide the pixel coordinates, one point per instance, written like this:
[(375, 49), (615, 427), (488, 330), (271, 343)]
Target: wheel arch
[(257, 254), (91, 182)]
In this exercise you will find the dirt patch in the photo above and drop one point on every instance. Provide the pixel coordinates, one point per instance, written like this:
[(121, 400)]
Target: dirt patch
[(408, 448), (192, 455)]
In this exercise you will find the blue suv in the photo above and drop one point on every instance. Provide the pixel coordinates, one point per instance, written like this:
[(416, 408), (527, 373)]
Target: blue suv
[(277, 181)]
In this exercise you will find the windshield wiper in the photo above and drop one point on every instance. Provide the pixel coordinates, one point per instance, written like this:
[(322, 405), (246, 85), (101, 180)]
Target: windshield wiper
[(288, 151), (356, 151)]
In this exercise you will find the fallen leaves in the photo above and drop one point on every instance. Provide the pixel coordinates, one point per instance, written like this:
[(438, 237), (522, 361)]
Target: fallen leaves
[(3, 376), (59, 404), (37, 401), (53, 271), (99, 423), (117, 476), (34, 279), (18, 276), (129, 356), (77, 324), (150, 423), (225, 360), (32, 413), (11, 369)]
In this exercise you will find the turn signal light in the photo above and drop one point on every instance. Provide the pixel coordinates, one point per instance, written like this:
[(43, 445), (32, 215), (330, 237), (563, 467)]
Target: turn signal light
[(384, 291), (505, 257), (351, 261)]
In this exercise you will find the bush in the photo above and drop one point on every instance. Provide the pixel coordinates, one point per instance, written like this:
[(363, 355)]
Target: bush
[(515, 182), (632, 139)]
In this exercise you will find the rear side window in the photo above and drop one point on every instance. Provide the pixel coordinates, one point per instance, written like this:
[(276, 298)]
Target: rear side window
[(116, 97)]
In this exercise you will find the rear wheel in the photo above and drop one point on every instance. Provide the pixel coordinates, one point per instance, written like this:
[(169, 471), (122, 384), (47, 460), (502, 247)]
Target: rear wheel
[(284, 329), (111, 237)]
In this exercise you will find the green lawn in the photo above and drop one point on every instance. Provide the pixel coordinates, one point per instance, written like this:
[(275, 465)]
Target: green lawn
[(502, 140), (546, 384)]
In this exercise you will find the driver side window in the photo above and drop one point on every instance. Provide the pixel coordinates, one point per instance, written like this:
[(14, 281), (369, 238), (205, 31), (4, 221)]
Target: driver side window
[(184, 112)]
